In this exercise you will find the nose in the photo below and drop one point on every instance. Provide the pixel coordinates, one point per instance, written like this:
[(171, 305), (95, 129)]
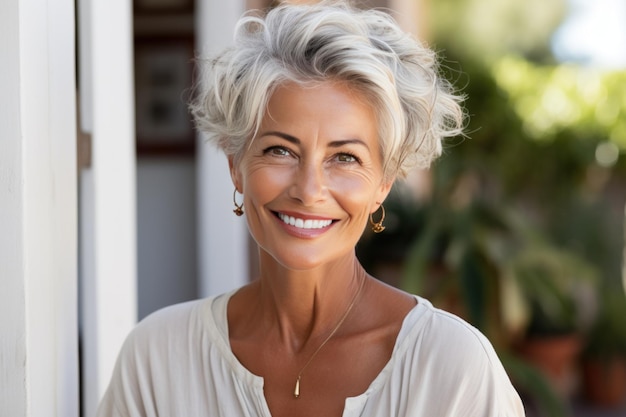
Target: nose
[(310, 184)]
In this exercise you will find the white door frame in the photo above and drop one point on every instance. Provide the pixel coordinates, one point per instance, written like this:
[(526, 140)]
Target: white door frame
[(38, 214), (108, 270)]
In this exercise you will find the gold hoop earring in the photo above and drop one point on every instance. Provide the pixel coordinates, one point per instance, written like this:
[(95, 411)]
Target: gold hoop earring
[(238, 207), (378, 227)]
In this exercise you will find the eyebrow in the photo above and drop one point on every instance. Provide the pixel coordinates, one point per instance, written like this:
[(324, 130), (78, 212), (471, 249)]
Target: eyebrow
[(333, 144)]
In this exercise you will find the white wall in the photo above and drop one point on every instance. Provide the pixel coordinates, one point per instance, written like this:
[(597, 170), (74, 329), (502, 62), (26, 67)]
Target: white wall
[(38, 319)]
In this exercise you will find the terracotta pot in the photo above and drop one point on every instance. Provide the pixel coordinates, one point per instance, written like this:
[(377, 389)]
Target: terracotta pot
[(604, 381), (556, 357)]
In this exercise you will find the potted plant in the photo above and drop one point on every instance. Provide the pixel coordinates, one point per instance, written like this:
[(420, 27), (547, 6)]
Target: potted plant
[(604, 355), (557, 286)]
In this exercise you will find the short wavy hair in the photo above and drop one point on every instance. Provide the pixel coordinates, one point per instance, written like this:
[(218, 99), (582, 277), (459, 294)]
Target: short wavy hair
[(330, 41)]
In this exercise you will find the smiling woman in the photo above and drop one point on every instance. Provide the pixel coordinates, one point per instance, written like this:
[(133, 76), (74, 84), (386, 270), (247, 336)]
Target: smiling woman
[(318, 109)]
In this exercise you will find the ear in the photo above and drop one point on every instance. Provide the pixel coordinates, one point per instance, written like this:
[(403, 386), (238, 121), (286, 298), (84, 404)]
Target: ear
[(381, 194), (235, 174)]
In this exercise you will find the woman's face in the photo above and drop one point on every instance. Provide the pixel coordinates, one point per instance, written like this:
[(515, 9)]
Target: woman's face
[(312, 175)]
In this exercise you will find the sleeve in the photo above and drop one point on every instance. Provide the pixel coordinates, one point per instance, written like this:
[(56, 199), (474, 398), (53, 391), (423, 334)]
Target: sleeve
[(463, 371), (484, 388), (108, 407), (123, 397), (154, 368), (491, 391)]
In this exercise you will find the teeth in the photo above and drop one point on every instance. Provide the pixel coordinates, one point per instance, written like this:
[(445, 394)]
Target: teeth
[(304, 224)]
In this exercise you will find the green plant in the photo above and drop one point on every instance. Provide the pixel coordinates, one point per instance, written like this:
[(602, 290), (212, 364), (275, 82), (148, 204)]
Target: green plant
[(533, 383), (498, 271), (607, 336), (555, 285)]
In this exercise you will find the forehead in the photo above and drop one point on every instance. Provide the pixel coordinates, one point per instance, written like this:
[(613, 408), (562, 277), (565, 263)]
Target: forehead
[(326, 108)]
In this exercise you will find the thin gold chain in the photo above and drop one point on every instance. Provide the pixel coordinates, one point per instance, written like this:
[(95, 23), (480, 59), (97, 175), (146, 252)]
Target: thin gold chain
[(296, 392)]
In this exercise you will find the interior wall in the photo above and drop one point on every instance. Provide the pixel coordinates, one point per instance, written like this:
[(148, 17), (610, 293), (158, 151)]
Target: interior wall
[(167, 270), (166, 230)]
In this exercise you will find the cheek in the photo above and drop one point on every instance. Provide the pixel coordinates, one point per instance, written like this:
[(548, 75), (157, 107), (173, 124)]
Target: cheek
[(265, 181), (356, 191)]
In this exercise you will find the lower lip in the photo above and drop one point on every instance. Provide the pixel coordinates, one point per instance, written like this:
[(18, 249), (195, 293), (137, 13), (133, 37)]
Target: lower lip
[(303, 233)]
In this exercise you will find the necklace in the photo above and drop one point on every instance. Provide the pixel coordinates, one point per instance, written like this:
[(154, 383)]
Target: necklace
[(296, 392)]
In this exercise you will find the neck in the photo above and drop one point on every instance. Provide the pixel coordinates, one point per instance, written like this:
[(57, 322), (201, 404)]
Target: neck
[(304, 306)]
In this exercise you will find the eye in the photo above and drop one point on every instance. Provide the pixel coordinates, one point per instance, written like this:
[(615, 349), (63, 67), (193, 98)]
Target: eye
[(277, 151), (347, 158)]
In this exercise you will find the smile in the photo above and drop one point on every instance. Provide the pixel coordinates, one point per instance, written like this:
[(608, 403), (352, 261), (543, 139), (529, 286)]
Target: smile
[(304, 224)]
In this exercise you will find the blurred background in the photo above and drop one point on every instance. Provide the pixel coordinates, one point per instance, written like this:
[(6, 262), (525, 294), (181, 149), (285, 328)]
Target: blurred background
[(519, 227)]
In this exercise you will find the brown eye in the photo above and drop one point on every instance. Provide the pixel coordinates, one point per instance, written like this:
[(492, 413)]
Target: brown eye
[(277, 151), (347, 158)]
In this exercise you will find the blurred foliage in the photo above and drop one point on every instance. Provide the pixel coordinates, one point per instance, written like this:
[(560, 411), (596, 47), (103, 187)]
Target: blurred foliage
[(566, 174), (546, 141), (607, 337), (586, 103), (489, 29)]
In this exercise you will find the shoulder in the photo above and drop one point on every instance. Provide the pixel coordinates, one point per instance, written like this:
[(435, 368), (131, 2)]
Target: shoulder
[(450, 356), (180, 330), (423, 328), (162, 355), (449, 334), (170, 321), (158, 337)]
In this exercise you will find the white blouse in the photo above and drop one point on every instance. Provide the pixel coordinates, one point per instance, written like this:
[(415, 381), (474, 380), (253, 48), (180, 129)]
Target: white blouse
[(178, 363)]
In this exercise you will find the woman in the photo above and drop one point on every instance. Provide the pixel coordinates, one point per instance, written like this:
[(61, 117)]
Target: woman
[(318, 109)]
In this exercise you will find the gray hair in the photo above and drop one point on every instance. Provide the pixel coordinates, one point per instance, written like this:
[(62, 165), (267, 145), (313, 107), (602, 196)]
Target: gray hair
[(331, 41)]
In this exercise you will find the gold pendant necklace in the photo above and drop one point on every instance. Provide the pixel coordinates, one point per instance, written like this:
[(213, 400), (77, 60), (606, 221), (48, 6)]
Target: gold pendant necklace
[(296, 391)]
